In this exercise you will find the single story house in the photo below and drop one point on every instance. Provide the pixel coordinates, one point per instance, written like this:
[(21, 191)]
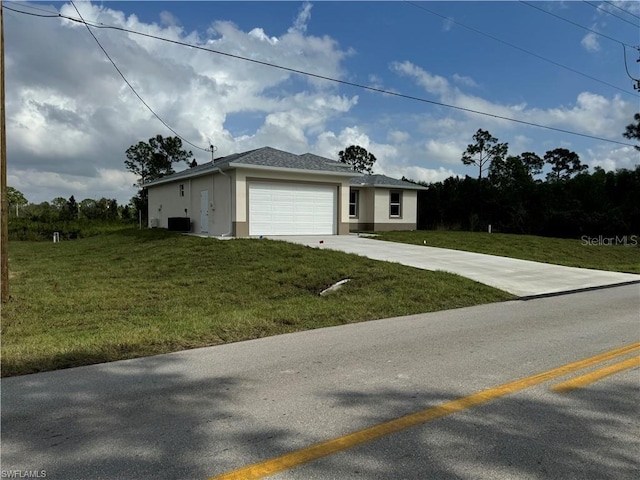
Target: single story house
[(271, 192)]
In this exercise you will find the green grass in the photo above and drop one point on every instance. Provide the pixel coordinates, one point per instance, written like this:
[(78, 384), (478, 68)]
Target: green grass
[(135, 293), (572, 253)]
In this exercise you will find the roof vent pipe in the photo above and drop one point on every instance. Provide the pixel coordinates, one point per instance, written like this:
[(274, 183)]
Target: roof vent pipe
[(212, 149)]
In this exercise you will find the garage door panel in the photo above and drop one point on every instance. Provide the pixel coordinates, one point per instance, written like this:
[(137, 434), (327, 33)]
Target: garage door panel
[(291, 209)]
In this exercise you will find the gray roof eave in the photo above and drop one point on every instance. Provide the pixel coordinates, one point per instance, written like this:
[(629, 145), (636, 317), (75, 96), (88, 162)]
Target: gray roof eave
[(306, 171), (392, 186), (176, 177)]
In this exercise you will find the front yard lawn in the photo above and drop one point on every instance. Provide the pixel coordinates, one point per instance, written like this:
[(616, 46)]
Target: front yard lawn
[(135, 293)]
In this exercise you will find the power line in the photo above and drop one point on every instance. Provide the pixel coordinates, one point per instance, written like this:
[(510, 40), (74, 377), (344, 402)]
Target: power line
[(26, 5), (129, 84), (52, 15), (622, 9), (597, 7), (576, 24), (335, 80), (86, 24), (519, 48)]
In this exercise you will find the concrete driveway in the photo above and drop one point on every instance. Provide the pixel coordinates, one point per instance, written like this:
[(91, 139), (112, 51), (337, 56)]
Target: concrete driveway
[(519, 277)]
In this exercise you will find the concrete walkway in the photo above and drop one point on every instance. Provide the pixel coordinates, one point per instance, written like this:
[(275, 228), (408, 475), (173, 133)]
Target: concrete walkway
[(519, 277)]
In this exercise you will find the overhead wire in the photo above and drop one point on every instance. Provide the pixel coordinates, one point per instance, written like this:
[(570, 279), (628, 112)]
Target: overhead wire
[(576, 24), (27, 5), (52, 15), (488, 35), (621, 9), (598, 7), (129, 84), (335, 80)]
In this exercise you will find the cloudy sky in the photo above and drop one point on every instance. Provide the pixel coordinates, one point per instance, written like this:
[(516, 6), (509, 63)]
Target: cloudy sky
[(71, 117)]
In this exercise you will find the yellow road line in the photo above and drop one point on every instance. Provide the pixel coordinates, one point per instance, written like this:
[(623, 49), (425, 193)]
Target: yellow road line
[(314, 452), (591, 377)]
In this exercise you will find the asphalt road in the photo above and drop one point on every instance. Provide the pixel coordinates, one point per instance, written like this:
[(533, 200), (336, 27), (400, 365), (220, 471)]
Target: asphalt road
[(200, 413)]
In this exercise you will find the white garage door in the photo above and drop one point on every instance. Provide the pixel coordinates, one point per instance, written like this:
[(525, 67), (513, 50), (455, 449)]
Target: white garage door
[(291, 209)]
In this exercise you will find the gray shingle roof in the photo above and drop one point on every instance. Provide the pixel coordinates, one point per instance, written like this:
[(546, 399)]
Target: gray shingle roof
[(264, 157), (271, 157), (384, 181)]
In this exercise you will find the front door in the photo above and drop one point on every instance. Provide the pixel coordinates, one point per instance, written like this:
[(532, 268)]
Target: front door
[(204, 211)]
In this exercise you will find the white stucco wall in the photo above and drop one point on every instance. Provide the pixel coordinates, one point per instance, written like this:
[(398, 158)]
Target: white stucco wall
[(365, 206), (165, 201), (409, 206)]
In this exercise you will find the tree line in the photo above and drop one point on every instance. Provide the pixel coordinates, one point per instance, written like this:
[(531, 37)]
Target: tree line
[(70, 218), (64, 209), (510, 194)]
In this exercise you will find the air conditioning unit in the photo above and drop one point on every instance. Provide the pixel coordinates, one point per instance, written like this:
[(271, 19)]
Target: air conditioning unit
[(154, 222), (179, 224)]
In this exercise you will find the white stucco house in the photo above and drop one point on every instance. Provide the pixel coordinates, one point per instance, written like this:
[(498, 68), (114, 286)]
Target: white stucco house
[(271, 192)]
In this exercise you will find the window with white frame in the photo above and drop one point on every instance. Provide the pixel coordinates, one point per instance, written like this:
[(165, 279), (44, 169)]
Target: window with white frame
[(395, 204), (182, 189), (354, 197)]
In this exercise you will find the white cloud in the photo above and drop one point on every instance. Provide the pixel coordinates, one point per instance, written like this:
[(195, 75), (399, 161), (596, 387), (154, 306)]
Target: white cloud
[(428, 175), (591, 113), (434, 84), (445, 151), (260, 35), (300, 23), (389, 160), (397, 136), (463, 80), (75, 122), (590, 42), (168, 19), (612, 159), (39, 186)]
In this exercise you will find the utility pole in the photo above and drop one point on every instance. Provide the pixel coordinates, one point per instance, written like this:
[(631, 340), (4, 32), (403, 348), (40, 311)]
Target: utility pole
[(637, 80), (4, 214)]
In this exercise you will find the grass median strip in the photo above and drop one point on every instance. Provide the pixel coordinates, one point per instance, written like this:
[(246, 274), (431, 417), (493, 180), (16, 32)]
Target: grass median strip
[(336, 445), (136, 293)]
